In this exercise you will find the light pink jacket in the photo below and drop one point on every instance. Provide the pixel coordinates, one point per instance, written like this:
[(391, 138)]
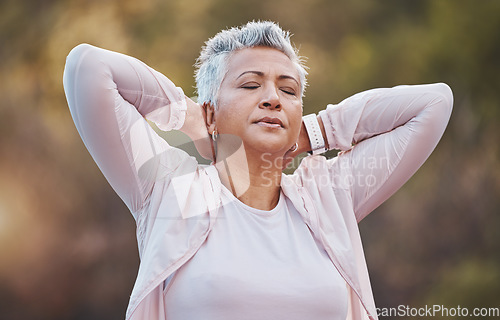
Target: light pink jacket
[(175, 201)]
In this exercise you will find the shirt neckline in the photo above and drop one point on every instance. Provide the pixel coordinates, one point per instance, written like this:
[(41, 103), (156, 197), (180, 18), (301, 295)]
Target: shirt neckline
[(253, 210)]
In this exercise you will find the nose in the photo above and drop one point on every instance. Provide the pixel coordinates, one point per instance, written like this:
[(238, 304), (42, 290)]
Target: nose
[(270, 99)]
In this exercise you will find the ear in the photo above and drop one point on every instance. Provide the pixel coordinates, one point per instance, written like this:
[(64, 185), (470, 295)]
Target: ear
[(209, 109)]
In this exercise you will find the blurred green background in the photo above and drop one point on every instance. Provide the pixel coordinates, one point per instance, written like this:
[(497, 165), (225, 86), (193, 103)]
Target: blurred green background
[(67, 243)]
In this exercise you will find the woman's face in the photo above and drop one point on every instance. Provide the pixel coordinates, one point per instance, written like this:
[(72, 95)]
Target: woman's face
[(260, 100)]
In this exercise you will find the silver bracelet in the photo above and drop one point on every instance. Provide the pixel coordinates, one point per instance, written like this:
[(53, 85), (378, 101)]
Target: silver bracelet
[(314, 133)]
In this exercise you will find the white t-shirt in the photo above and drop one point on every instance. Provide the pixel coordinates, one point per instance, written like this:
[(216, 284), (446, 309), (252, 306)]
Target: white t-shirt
[(257, 264)]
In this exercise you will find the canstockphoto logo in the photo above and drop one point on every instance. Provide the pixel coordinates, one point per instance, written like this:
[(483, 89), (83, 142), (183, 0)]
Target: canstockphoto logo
[(438, 310), (183, 182)]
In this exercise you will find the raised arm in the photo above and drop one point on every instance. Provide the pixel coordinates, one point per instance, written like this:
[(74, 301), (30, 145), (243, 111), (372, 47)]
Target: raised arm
[(109, 95), (386, 135)]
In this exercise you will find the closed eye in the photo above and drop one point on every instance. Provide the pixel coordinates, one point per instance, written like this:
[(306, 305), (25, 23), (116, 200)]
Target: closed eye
[(251, 85), (288, 91)]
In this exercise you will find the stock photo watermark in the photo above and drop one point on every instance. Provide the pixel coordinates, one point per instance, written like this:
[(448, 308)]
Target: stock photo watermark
[(437, 310), (364, 172), (154, 163)]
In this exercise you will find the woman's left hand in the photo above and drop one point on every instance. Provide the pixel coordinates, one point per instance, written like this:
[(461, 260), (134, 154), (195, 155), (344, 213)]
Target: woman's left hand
[(303, 146)]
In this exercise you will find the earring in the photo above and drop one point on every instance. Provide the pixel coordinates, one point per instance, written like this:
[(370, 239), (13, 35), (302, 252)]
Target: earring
[(215, 134), (294, 147)]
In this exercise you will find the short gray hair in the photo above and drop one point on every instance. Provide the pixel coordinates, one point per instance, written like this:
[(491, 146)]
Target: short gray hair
[(211, 65)]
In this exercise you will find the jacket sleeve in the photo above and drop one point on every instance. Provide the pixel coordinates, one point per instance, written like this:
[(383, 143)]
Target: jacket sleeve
[(109, 96), (385, 135)]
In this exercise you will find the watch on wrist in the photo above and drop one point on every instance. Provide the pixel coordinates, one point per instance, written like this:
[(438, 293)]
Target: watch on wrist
[(314, 132)]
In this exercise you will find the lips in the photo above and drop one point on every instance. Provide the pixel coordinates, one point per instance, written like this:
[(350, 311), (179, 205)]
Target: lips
[(270, 122)]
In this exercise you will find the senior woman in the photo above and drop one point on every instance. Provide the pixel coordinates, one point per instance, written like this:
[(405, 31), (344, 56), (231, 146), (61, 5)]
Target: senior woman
[(238, 239)]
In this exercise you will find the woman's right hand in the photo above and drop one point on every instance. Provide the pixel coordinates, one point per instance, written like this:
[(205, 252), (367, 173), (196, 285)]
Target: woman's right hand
[(195, 127)]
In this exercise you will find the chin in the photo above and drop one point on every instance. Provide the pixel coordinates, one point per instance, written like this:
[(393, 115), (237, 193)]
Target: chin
[(273, 143), (278, 148)]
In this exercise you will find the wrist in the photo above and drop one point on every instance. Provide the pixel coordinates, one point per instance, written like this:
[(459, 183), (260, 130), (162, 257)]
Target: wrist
[(303, 141), (323, 132), (316, 134), (194, 126)]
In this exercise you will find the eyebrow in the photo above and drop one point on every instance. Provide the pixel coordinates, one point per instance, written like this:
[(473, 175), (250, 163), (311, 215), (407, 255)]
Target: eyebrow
[(261, 74)]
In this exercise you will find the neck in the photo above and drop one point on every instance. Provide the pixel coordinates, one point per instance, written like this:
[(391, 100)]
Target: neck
[(254, 179)]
